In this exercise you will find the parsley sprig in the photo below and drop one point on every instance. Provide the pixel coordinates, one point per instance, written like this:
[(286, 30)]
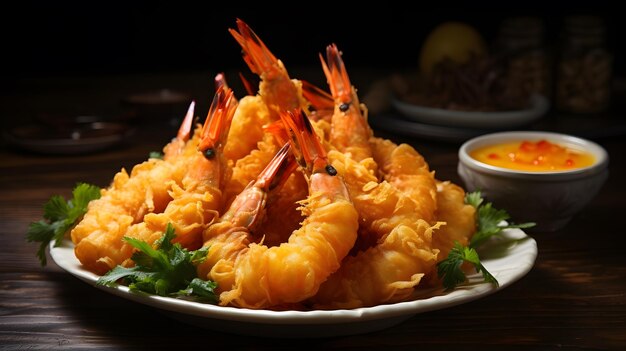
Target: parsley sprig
[(450, 269), (168, 270), (489, 221), (60, 216)]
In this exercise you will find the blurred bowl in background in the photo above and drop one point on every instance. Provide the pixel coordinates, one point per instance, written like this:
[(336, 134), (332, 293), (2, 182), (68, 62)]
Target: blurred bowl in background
[(548, 198)]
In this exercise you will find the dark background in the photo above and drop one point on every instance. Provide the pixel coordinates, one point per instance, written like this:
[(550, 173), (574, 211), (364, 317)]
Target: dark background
[(87, 38)]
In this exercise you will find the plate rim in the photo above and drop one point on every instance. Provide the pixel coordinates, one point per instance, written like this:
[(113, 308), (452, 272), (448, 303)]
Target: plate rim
[(526, 248)]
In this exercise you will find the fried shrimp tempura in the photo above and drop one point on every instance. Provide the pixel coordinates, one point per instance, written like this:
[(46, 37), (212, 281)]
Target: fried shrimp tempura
[(256, 276)]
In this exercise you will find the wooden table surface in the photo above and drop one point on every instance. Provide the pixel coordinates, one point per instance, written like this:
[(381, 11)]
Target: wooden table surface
[(574, 298)]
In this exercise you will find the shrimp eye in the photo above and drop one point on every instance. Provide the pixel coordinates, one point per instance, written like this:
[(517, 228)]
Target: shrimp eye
[(209, 154), (344, 106), (331, 170)]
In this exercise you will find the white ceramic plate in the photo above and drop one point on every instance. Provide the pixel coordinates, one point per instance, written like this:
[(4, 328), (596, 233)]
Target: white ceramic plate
[(473, 119), (508, 258)]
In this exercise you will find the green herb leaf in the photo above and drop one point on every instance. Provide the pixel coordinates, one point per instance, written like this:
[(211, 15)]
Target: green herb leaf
[(59, 217), (169, 270), (450, 269), (116, 274), (55, 209), (200, 290), (474, 198), (156, 154), (489, 222)]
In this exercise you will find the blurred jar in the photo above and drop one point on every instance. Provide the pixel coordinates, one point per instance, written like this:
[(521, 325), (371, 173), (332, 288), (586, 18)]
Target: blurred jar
[(520, 43), (584, 69)]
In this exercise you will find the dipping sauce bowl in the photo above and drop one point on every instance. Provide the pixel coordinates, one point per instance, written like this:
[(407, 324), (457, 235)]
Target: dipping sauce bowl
[(522, 181)]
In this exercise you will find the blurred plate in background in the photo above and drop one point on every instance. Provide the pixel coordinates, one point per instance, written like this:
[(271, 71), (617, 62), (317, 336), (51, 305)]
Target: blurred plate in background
[(68, 140), (396, 124), (491, 120)]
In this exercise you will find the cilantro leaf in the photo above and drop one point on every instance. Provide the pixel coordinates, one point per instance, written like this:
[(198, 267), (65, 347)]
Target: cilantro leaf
[(489, 222), (55, 209), (450, 269), (474, 198), (83, 194), (201, 290), (169, 270), (60, 216)]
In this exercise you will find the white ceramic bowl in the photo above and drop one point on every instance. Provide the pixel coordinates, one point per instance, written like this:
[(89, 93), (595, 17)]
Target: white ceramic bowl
[(549, 199)]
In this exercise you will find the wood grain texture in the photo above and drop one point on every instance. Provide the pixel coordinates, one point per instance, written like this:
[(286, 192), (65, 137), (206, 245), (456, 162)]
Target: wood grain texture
[(573, 299)]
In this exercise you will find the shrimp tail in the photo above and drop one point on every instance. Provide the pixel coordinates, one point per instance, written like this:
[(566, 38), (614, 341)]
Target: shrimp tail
[(185, 128), (278, 170), (337, 75), (250, 87), (248, 208), (175, 147), (318, 98), (278, 91), (256, 55), (217, 124), (349, 132), (321, 103), (277, 129), (309, 151), (220, 81)]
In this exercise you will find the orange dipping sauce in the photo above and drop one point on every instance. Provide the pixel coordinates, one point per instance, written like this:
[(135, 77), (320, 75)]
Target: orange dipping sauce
[(540, 156)]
